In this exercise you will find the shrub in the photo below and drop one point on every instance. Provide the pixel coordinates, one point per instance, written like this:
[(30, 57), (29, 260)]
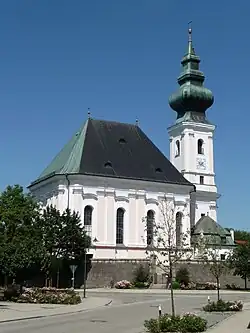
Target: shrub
[(182, 276), (49, 296), (141, 274), (190, 286), (176, 285), (222, 306), (232, 286), (141, 285), (12, 292), (187, 323), (206, 286), (124, 284)]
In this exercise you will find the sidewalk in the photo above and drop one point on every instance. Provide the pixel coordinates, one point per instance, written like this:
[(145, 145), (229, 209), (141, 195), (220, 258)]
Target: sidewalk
[(161, 291), (20, 311), (235, 324)]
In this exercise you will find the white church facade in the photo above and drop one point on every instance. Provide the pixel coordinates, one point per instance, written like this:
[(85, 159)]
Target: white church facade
[(114, 176)]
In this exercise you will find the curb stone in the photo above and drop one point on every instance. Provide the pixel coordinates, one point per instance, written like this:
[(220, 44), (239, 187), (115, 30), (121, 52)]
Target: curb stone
[(54, 314)]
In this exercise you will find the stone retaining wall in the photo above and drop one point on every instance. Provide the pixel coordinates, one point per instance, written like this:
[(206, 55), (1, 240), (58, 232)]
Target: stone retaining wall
[(201, 273), (102, 272)]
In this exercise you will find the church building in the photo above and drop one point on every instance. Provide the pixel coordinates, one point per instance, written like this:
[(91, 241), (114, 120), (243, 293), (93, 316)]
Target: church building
[(114, 175)]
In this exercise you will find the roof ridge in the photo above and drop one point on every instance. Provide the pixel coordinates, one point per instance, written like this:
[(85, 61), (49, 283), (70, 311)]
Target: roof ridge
[(114, 122)]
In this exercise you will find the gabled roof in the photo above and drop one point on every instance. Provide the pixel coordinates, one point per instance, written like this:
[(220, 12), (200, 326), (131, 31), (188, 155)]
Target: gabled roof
[(213, 232), (113, 149)]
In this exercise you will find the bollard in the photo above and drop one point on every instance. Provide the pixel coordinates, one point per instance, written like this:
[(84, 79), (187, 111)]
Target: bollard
[(208, 299), (159, 311)]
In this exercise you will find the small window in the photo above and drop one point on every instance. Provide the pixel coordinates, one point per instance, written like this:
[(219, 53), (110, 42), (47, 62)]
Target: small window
[(122, 141), (108, 165), (201, 180), (200, 147), (177, 148), (223, 240), (222, 257), (202, 214)]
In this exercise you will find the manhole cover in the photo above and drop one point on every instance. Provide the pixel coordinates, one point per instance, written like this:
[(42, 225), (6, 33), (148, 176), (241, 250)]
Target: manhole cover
[(98, 321)]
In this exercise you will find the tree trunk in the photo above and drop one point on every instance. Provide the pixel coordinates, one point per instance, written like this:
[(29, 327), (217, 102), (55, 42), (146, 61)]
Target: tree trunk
[(218, 288), (171, 285), (57, 278), (245, 282), (5, 280)]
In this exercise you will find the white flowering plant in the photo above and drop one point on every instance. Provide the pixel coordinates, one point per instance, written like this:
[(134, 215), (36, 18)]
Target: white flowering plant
[(123, 284), (222, 306)]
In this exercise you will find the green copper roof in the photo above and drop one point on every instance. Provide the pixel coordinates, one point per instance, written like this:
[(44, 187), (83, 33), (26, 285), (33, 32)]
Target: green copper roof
[(192, 96), (69, 158), (213, 233)]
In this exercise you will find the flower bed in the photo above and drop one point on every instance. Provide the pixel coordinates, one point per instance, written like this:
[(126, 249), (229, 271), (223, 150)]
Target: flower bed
[(49, 295), (199, 286), (188, 323), (222, 306), (124, 284)]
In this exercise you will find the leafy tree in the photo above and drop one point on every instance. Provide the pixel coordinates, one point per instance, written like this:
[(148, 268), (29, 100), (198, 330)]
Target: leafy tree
[(51, 234), (74, 239), (167, 248), (63, 238), (19, 239), (242, 235), (182, 276), (240, 262)]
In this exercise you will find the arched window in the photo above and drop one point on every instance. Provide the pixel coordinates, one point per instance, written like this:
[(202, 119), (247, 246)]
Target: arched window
[(200, 146), (150, 226), (177, 148), (88, 210), (178, 221), (119, 225)]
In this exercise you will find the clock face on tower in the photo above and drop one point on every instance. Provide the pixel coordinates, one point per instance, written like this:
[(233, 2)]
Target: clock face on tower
[(201, 163)]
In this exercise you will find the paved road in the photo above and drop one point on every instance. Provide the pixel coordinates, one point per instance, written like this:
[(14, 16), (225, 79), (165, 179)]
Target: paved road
[(126, 315)]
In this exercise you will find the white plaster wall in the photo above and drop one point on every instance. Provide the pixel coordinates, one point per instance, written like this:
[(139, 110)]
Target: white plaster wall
[(105, 202)]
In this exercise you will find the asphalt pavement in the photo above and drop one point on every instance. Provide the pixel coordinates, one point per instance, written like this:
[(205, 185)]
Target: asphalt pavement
[(126, 314)]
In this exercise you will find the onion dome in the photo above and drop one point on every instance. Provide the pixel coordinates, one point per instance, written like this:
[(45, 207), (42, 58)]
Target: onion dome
[(192, 99)]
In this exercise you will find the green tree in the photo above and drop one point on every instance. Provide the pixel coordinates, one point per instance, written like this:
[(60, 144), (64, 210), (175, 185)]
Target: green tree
[(242, 235), (19, 237), (51, 229), (75, 241), (240, 262), (63, 238)]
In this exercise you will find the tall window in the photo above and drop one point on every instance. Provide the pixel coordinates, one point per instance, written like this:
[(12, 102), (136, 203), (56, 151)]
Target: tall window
[(178, 221), (88, 210), (119, 225), (200, 146), (150, 226), (177, 148)]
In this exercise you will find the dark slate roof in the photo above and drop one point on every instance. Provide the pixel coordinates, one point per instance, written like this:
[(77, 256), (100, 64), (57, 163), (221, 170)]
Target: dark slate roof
[(212, 231), (108, 148)]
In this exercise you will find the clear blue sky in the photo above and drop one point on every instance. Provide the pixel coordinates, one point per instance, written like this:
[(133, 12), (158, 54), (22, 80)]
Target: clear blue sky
[(121, 58)]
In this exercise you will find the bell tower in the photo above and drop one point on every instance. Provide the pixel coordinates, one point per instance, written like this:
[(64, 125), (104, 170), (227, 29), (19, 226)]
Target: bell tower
[(191, 136)]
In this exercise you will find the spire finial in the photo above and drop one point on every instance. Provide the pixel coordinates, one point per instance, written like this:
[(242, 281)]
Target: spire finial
[(137, 122), (190, 37), (88, 112)]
